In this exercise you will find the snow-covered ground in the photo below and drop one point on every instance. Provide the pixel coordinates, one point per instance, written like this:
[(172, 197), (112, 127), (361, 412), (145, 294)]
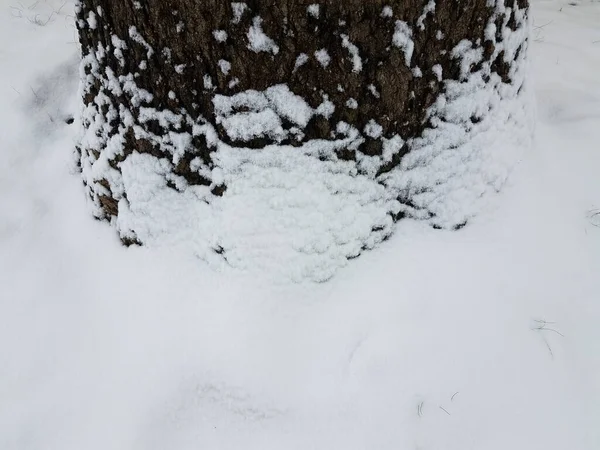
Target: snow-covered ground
[(487, 338)]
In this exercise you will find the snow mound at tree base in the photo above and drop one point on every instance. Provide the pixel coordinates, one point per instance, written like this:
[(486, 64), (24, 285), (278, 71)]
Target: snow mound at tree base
[(284, 213), (290, 215)]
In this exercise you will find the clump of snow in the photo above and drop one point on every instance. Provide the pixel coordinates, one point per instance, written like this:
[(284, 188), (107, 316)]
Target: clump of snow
[(233, 83), (373, 90), (220, 35), (323, 57), (300, 61), (91, 20), (225, 66), (314, 10), (289, 105), (429, 9), (453, 165), (438, 72), (326, 108), (261, 112), (137, 37), (163, 352), (403, 40), (119, 45), (207, 82), (387, 11), (258, 41), (238, 9), (354, 53), (373, 129), (168, 54), (250, 125), (250, 100)]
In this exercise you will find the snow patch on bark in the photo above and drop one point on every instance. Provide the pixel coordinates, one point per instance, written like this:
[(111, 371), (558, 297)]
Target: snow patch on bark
[(323, 57), (258, 41), (429, 9), (238, 9), (354, 53), (403, 40)]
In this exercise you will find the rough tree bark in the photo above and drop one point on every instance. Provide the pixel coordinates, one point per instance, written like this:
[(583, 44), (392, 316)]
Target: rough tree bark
[(153, 73)]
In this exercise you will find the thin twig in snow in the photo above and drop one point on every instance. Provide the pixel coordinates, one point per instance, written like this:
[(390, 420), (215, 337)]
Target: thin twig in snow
[(543, 326)]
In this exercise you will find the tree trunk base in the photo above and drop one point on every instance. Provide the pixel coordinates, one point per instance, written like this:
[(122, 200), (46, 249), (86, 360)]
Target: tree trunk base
[(301, 167)]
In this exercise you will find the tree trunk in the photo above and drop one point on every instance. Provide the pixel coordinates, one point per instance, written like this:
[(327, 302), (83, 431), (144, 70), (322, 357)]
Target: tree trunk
[(378, 84)]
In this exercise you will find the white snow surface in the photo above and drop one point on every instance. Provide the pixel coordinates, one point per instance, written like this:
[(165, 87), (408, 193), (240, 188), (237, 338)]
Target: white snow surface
[(486, 338)]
